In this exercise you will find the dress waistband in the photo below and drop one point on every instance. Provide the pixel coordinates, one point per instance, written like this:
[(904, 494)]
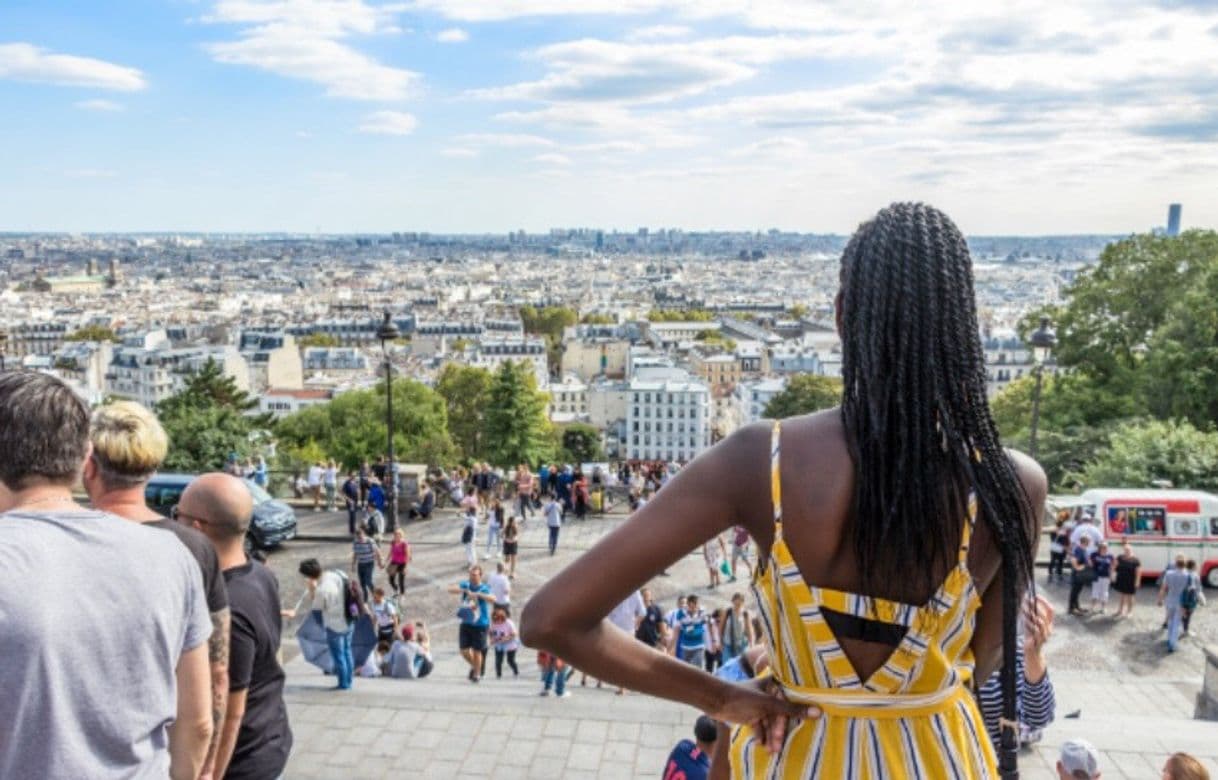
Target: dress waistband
[(869, 704)]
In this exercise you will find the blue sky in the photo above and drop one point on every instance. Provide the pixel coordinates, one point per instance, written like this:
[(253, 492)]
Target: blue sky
[(494, 115)]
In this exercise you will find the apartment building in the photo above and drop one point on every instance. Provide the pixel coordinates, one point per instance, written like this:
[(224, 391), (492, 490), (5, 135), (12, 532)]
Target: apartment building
[(667, 419)]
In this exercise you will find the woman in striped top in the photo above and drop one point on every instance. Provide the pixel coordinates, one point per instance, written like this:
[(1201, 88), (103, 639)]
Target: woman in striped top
[(882, 552)]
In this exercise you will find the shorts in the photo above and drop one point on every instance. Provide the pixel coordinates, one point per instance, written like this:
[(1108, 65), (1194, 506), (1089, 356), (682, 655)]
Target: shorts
[(471, 637), (509, 548), (1099, 589), (740, 551), (695, 657)]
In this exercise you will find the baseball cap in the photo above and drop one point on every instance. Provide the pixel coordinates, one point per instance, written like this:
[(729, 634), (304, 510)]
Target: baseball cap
[(407, 632), (1080, 759)]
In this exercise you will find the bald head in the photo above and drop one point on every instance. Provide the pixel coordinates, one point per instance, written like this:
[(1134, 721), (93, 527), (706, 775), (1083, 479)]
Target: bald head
[(219, 504)]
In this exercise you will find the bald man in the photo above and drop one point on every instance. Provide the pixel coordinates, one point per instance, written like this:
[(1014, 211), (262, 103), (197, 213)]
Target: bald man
[(256, 738)]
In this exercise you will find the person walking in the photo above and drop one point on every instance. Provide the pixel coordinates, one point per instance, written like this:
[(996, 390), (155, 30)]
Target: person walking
[(627, 617), (553, 515), (104, 622), (260, 473), (1192, 597), (257, 736), (1059, 547), (579, 494), (494, 524), (501, 588), (316, 474), (740, 551), (511, 542), (329, 483), (652, 629), (1171, 590), (713, 553), (1082, 574), (524, 492), (692, 623), (352, 494), (399, 557), (327, 593), (912, 454), (1101, 565), (384, 616), (469, 534), (736, 629), (1127, 581), (503, 636), (475, 617), (365, 558)]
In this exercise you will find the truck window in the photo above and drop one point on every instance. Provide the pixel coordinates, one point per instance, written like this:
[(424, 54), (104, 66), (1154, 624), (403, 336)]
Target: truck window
[(1214, 526), (1138, 521), (1186, 526)]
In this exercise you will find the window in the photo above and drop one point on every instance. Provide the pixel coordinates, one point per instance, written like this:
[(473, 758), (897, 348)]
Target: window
[(1138, 521), (1214, 526), (1185, 526)]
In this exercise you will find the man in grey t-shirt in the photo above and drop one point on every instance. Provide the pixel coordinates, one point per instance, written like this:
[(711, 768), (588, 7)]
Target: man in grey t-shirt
[(1174, 582), (103, 623)]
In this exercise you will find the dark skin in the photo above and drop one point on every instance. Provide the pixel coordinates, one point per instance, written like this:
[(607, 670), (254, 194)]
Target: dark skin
[(721, 488)]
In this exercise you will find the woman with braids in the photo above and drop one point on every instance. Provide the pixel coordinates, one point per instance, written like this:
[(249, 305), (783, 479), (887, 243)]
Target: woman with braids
[(894, 523)]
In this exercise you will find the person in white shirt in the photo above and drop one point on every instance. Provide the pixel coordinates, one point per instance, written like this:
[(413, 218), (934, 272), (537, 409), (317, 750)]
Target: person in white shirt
[(329, 480), (1089, 529), (553, 515), (326, 594), (316, 473), (501, 588), (627, 617)]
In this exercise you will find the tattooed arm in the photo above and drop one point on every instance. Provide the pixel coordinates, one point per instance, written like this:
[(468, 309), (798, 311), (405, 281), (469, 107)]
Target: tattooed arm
[(217, 656)]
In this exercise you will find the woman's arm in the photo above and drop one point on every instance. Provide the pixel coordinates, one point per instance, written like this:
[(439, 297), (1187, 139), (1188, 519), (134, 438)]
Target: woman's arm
[(567, 616)]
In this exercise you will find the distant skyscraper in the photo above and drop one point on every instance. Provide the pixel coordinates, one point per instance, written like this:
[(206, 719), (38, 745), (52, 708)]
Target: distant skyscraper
[(1173, 219)]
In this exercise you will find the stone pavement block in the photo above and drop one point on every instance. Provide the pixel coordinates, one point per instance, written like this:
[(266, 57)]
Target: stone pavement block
[(456, 746), (425, 739), (584, 759), (388, 745), (375, 716), (441, 770), (548, 768), (499, 724), (592, 731), (626, 732), (558, 727), (346, 756), (611, 771), (1129, 764), (527, 727), (363, 735), (1039, 773), (518, 753), (620, 753), (480, 763), (650, 762), (405, 721), (554, 747), (654, 737)]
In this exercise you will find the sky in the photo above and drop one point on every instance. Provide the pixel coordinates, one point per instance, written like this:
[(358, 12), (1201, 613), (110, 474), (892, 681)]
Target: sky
[(338, 116)]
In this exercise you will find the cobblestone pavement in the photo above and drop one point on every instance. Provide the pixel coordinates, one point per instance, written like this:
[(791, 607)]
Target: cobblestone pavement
[(1134, 701)]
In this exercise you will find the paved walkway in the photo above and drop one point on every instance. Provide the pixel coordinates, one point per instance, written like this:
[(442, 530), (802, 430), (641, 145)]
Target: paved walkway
[(1135, 703)]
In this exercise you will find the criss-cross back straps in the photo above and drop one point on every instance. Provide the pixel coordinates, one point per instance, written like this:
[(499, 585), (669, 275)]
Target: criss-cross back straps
[(776, 477)]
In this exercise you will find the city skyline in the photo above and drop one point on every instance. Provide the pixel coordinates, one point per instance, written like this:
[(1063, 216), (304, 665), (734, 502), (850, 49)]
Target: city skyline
[(481, 116)]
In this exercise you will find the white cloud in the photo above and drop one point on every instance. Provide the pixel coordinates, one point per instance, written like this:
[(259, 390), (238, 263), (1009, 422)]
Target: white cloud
[(388, 123), (452, 35), (660, 32), (505, 140), (459, 153), (308, 40), (26, 62), (98, 105), (499, 10), (552, 158)]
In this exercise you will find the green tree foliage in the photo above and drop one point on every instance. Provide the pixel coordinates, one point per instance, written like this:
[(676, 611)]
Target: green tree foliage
[(516, 429), (595, 318), (317, 340), (208, 420), (549, 322), (716, 339), (93, 333), (804, 394), (466, 391), (1179, 374), (1140, 452), (680, 315), (797, 312), (351, 428), (581, 444)]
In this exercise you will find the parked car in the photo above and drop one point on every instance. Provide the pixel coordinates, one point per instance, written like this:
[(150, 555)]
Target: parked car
[(274, 521)]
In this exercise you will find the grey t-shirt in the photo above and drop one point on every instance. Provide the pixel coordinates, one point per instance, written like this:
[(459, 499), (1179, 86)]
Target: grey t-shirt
[(95, 612), (1176, 581)]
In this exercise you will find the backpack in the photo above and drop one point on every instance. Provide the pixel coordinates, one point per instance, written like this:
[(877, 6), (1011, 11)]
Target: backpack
[(353, 601), (1189, 598)]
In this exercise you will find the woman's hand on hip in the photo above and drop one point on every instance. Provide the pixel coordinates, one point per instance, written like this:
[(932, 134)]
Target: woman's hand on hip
[(761, 705)]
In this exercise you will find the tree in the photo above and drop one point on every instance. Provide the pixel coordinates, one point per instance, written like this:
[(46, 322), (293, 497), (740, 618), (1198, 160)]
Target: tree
[(351, 428), (516, 429), (1179, 374), (804, 394), (797, 312), (680, 315), (1138, 453), (596, 318), (93, 333), (581, 443), (208, 421), (466, 391), (317, 340), (550, 323)]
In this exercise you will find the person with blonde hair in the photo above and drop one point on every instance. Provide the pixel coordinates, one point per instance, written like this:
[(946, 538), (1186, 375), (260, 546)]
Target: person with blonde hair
[(1182, 766), (129, 445)]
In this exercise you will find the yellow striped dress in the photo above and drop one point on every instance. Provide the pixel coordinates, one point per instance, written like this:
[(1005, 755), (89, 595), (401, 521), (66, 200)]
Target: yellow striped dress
[(915, 717)]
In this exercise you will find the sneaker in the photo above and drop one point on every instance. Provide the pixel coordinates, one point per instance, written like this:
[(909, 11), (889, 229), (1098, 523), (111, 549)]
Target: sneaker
[(564, 695), (546, 692)]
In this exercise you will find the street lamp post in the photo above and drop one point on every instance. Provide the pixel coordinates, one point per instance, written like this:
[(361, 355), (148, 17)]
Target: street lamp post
[(1043, 341), (386, 333)]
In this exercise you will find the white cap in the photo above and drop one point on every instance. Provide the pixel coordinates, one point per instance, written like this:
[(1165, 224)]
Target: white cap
[(1080, 759)]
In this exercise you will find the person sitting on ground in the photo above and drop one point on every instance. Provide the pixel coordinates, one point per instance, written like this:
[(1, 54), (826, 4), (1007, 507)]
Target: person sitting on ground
[(1079, 760), (104, 623), (407, 658), (1182, 766), (691, 759), (376, 662), (425, 505)]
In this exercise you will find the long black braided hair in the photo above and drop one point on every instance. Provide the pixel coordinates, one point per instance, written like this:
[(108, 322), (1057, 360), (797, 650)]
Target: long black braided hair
[(915, 411)]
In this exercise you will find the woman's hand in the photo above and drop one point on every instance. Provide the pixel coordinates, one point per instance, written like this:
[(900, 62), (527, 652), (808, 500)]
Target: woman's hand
[(761, 705)]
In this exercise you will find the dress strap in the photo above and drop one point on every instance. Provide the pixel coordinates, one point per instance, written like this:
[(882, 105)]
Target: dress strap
[(966, 535), (776, 477)]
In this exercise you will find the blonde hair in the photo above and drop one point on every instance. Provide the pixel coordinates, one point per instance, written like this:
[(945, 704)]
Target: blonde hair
[(1182, 766), (129, 443)]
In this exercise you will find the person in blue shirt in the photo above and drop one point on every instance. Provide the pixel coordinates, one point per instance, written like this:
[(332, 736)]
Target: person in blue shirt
[(475, 614), (691, 759)]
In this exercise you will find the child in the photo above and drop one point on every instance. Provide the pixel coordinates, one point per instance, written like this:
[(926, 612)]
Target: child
[(554, 674), (373, 666), (503, 636)]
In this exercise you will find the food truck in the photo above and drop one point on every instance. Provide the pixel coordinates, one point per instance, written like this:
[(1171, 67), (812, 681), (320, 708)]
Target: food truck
[(1158, 524)]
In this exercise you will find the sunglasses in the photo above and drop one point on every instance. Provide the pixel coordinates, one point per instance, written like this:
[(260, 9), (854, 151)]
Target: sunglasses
[(177, 515)]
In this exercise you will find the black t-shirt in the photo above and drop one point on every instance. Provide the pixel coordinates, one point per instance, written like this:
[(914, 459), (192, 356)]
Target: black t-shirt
[(379, 471), (200, 547), (648, 631), (265, 738)]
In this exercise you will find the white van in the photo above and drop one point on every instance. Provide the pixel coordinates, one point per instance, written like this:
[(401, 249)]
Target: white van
[(1158, 524)]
